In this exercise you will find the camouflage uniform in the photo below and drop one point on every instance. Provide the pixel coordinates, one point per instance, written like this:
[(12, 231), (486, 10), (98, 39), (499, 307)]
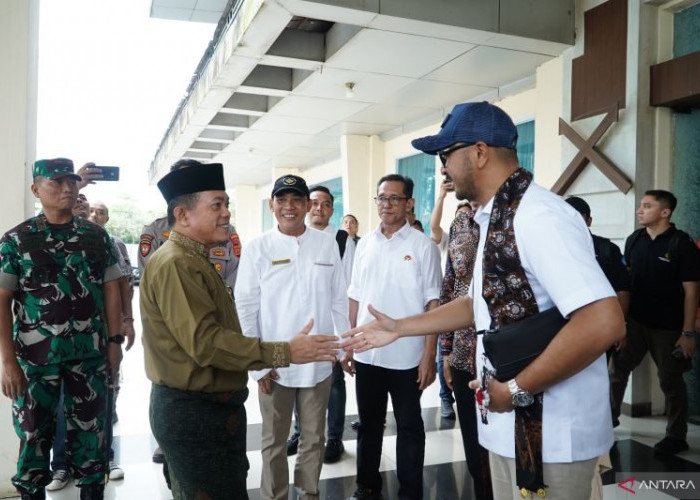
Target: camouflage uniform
[(224, 257), (60, 336)]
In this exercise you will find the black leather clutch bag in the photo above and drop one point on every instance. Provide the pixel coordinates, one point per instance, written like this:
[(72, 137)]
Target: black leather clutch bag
[(511, 348)]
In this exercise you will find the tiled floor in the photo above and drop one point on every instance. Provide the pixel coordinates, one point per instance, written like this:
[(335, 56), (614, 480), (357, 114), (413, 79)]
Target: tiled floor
[(445, 474)]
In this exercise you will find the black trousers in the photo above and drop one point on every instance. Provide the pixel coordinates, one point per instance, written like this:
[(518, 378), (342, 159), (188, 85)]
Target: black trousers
[(374, 385), (660, 344), (477, 456)]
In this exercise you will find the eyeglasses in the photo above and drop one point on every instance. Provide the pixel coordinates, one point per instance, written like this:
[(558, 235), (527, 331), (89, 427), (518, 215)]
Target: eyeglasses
[(393, 200), (445, 153)]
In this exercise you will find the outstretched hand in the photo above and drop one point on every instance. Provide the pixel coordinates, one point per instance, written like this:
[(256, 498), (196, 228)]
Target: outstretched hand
[(305, 348), (377, 333)]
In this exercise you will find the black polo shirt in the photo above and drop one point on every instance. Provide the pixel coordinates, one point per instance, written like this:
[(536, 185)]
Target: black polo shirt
[(657, 279), (609, 258)]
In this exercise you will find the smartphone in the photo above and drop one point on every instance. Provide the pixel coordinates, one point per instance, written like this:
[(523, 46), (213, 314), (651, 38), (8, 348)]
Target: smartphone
[(109, 173)]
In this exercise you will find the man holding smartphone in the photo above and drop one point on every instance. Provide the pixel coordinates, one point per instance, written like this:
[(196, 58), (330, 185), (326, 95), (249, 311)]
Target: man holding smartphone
[(61, 335)]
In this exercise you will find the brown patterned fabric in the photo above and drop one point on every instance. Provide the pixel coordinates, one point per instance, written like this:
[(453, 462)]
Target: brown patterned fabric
[(510, 298), (460, 345)]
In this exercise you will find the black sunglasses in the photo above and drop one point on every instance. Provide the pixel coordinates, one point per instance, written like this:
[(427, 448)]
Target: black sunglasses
[(445, 153)]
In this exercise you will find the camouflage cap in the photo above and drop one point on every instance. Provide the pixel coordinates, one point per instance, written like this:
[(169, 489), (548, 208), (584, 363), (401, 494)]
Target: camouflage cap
[(54, 169)]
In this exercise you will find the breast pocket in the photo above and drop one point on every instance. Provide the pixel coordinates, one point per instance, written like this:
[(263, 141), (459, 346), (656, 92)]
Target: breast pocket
[(322, 276)]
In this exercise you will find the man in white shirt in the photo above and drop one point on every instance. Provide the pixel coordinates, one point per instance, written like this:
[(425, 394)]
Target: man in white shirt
[(477, 148), (398, 269), (319, 216), (287, 275)]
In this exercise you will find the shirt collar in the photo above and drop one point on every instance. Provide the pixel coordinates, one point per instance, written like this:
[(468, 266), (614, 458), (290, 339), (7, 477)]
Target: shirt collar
[(402, 232), (483, 214), (297, 238), (188, 243)]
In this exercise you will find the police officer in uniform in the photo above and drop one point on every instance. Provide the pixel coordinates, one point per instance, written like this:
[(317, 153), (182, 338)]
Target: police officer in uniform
[(59, 277)]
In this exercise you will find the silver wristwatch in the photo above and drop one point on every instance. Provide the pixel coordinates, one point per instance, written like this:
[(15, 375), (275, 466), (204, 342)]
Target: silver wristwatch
[(518, 396)]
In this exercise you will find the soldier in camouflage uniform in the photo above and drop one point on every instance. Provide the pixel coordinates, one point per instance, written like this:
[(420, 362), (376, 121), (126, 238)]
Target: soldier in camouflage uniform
[(59, 277)]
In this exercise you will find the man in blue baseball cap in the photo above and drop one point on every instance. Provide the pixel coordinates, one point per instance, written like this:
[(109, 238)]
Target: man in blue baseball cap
[(547, 426)]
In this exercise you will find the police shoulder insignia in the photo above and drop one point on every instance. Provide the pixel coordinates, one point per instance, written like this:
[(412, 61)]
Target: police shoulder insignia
[(218, 252), (235, 243), (218, 266), (145, 244)]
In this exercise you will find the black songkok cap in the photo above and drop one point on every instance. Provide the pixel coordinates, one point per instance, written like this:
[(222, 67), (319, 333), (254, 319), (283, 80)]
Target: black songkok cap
[(188, 180)]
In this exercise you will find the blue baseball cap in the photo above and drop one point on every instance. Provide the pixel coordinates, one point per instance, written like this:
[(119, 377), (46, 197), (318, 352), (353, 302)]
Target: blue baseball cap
[(471, 122)]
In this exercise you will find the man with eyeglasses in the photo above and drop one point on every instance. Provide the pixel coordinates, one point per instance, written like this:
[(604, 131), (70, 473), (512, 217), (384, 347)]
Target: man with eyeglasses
[(396, 268)]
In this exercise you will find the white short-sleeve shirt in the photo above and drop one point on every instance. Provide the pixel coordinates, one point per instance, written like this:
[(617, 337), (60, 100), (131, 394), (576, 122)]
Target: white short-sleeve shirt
[(283, 281), (557, 254), (399, 276)]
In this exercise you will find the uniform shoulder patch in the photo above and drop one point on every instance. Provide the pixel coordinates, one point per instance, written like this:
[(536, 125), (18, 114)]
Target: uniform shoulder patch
[(145, 244), (218, 252), (235, 243)]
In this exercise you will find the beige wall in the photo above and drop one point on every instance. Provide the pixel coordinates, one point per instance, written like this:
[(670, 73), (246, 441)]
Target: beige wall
[(18, 96)]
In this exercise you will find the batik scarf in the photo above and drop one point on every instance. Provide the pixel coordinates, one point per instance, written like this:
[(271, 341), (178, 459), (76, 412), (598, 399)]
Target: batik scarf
[(510, 298)]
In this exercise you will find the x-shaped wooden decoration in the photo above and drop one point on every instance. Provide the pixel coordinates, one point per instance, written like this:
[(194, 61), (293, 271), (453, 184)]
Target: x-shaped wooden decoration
[(587, 152)]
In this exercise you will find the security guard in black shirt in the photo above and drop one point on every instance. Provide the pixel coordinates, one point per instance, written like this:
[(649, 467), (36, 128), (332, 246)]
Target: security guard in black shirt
[(610, 260), (664, 266)]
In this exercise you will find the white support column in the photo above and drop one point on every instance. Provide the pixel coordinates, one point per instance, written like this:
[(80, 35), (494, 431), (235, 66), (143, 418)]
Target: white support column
[(248, 212), (19, 25), (362, 165)]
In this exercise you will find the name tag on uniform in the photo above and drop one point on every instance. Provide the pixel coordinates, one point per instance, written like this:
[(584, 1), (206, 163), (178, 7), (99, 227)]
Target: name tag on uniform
[(281, 261), (322, 264)]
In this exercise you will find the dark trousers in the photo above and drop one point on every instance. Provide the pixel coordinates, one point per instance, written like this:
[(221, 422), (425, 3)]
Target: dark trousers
[(373, 386), (203, 437), (445, 392), (660, 344), (336, 405), (477, 456), (58, 451)]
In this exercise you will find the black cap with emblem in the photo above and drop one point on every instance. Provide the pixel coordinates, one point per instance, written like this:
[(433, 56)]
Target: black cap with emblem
[(290, 183)]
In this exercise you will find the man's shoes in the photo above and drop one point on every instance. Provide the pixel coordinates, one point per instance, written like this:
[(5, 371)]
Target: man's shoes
[(366, 494), (334, 450), (158, 456), (115, 472), (59, 480), (37, 495), (355, 424), (292, 444), (446, 410), (92, 492), (670, 446)]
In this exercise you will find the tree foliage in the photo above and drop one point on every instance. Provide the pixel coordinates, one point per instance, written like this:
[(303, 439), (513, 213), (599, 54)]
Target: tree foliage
[(127, 218)]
